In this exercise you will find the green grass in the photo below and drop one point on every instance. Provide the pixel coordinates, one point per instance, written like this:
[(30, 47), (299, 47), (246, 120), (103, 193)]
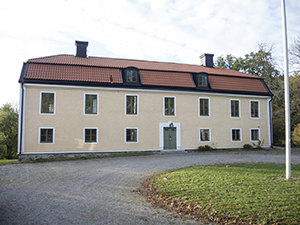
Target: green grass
[(8, 161), (15, 161), (256, 193)]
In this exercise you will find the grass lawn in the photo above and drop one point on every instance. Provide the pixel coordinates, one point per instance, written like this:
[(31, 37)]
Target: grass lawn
[(7, 161), (238, 193)]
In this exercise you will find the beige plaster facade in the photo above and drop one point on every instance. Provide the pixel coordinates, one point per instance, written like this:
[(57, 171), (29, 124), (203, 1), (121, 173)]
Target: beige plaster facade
[(69, 120)]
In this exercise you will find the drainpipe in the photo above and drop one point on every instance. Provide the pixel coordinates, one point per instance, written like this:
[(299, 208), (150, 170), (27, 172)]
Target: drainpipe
[(271, 123), (21, 109), (20, 128)]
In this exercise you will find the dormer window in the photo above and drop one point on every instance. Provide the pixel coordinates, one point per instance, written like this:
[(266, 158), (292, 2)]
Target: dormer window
[(131, 76), (202, 81)]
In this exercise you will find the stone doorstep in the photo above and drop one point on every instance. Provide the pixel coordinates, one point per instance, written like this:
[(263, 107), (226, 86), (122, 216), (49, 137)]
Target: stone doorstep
[(173, 151), (32, 157)]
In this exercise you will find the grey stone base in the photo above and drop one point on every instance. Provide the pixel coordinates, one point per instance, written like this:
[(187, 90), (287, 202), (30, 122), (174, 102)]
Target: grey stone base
[(32, 157)]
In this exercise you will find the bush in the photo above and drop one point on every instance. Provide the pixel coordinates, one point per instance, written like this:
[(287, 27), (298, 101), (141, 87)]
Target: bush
[(296, 136), (259, 144), (247, 147), (204, 148)]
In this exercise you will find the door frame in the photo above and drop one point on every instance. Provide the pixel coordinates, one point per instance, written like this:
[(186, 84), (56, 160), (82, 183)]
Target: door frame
[(161, 134)]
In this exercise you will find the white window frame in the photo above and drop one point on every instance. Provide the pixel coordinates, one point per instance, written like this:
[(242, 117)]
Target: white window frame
[(209, 132), (199, 106), (258, 109), (53, 138), (137, 135), (54, 104), (258, 134), (87, 128), (165, 108), (235, 117), (241, 136), (137, 107), (88, 114)]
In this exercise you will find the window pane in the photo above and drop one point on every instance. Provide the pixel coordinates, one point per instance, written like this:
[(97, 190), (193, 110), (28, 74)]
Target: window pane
[(204, 109), (90, 104), (90, 135), (131, 135), (169, 107), (235, 109), (93, 135), (236, 135), (47, 103), (202, 81), (43, 135), (255, 135), (131, 76), (204, 135), (46, 136), (131, 105), (254, 109)]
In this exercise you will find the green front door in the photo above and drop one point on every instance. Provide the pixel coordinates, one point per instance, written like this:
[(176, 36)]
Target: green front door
[(169, 137)]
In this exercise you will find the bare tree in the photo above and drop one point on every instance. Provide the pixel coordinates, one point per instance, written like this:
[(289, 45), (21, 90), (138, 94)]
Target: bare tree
[(295, 53)]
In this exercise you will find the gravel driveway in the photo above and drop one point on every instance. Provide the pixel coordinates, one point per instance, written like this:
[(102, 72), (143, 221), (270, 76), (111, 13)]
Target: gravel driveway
[(101, 191)]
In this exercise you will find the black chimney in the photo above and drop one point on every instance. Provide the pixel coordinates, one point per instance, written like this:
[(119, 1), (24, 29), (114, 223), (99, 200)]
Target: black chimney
[(207, 60), (81, 48)]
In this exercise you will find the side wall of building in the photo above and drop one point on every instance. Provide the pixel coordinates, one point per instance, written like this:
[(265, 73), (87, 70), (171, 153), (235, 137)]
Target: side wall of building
[(69, 120)]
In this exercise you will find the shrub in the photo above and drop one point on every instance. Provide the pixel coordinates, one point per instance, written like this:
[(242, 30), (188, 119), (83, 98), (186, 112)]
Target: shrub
[(258, 145), (296, 136), (204, 148), (247, 146)]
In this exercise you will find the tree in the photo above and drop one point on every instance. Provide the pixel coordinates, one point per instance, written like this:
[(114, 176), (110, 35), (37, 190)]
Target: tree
[(9, 130), (295, 53), (229, 62), (295, 99)]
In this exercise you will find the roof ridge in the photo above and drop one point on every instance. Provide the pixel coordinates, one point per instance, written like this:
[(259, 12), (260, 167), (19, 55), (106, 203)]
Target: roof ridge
[(49, 56), (146, 61)]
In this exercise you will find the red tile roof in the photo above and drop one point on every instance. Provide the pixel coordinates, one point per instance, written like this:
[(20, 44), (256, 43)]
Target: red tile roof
[(140, 64), (99, 70), (166, 79), (73, 73), (236, 84)]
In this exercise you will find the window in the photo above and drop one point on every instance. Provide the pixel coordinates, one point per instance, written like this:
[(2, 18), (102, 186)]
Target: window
[(169, 106), (91, 104), (47, 102), (236, 135), (131, 105), (254, 107), (235, 108), (204, 135), (131, 135), (202, 81), (255, 135), (90, 135), (131, 76), (204, 106), (46, 135)]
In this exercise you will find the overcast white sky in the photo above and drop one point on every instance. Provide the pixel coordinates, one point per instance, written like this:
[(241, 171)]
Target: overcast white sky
[(159, 30)]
